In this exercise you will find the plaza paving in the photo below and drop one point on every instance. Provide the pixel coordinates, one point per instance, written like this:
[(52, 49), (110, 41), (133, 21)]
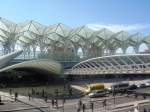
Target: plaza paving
[(39, 105), (119, 103)]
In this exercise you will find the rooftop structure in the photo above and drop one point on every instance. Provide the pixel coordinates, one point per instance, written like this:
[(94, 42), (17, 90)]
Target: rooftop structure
[(43, 66), (115, 64), (4, 60), (61, 42)]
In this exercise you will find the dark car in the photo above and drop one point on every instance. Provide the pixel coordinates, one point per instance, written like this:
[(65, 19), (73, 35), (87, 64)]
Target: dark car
[(142, 85), (121, 86), (132, 87)]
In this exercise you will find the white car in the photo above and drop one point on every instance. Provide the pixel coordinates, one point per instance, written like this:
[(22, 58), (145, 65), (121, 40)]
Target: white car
[(147, 83), (143, 85)]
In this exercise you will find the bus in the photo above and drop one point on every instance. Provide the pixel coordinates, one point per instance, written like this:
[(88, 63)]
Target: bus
[(93, 87)]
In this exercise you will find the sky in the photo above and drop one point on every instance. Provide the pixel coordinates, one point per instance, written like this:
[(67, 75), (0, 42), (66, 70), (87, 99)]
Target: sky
[(130, 15)]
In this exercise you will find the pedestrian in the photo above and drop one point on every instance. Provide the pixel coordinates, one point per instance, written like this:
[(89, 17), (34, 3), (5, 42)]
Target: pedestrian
[(83, 107), (70, 91), (78, 110), (52, 102), (1, 103), (64, 87), (144, 110), (144, 96), (80, 103), (136, 95), (56, 92), (92, 106), (43, 93), (56, 103), (46, 98), (16, 96), (0, 99), (104, 103), (136, 110), (113, 93), (33, 91), (10, 92), (29, 95), (64, 100), (129, 111)]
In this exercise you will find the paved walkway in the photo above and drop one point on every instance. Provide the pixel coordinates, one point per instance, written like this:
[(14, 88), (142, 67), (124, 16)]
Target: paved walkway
[(22, 103), (39, 105)]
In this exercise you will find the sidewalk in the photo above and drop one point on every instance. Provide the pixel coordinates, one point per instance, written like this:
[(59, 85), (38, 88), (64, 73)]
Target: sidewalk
[(34, 103)]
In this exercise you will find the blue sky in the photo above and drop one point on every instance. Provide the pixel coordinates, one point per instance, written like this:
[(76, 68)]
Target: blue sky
[(74, 13)]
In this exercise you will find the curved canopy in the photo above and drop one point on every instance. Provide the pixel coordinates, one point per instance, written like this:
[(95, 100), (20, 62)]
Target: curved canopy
[(39, 66), (115, 64)]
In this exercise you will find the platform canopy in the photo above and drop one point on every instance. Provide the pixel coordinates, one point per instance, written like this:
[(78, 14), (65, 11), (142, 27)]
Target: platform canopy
[(114, 64), (43, 66)]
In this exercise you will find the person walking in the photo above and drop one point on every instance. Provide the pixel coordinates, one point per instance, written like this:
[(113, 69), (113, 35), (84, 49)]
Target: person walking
[(29, 95), (144, 96), (79, 104), (64, 100), (92, 106), (70, 91), (10, 92), (0, 99), (56, 92), (83, 107), (104, 103), (46, 98), (16, 96), (1, 103), (144, 110), (53, 102), (135, 95), (56, 103), (33, 92), (43, 93)]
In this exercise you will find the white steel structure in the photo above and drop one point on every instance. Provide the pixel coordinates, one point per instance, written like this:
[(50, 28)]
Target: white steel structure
[(4, 60), (43, 66), (115, 64), (62, 42)]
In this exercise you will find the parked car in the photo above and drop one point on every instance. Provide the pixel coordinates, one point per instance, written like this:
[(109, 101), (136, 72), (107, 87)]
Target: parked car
[(132, 87), (109, 90), (97, 93), (120, 86), (143, 85), (147, 83)]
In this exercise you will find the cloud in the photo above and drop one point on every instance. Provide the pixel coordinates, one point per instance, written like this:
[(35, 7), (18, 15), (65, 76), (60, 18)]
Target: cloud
[(118, 27)]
